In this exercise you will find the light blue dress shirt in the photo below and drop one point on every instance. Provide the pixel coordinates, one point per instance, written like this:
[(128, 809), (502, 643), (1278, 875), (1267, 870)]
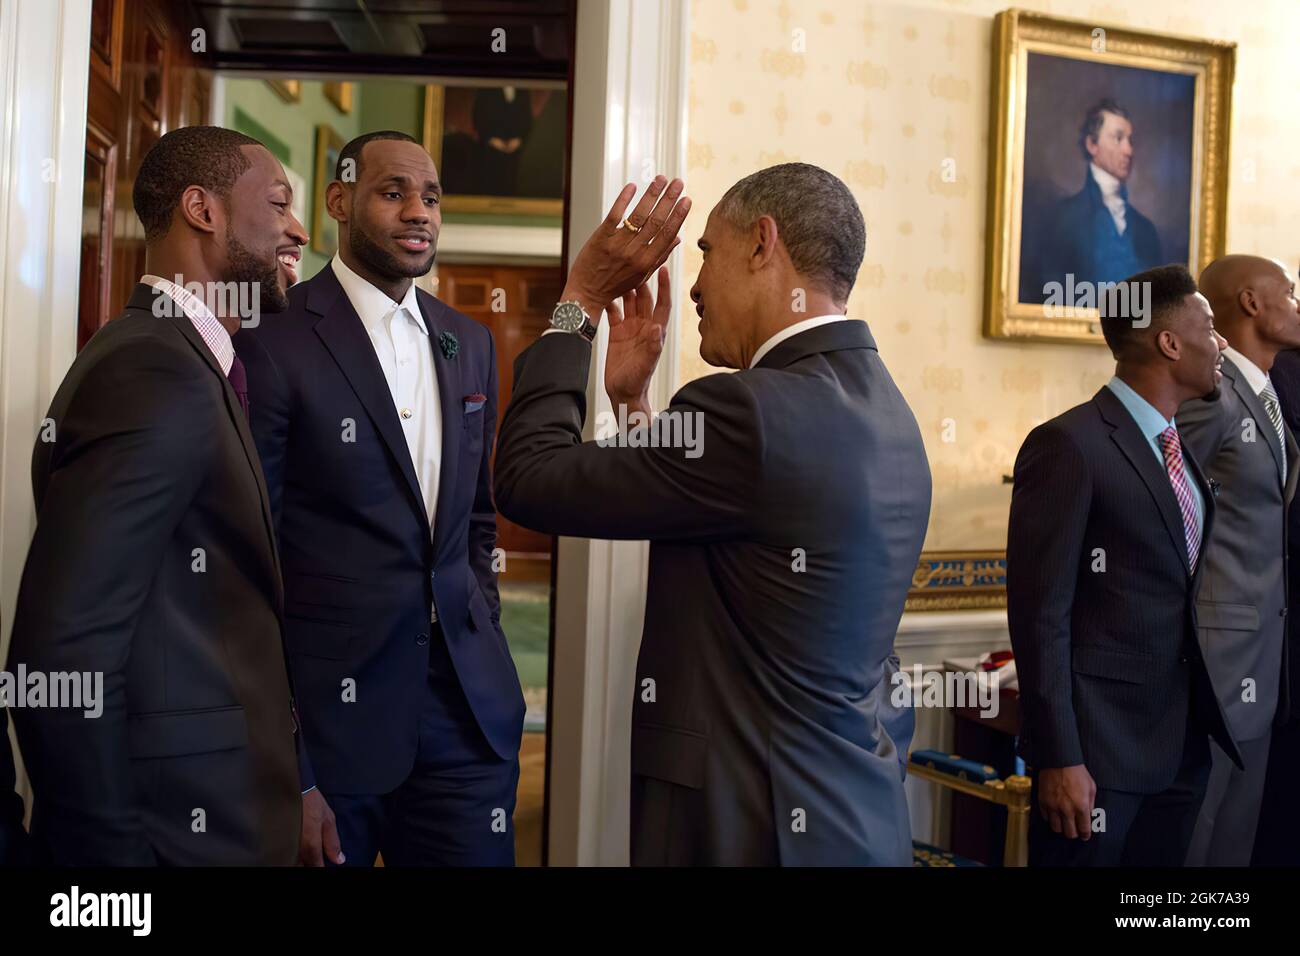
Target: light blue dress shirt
[(1151, 423)]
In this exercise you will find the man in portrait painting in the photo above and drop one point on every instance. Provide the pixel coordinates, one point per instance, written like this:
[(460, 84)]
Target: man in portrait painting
[(1097, 235)]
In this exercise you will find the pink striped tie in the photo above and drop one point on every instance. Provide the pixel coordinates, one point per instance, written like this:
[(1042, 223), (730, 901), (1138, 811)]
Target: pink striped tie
[(1173, 450)]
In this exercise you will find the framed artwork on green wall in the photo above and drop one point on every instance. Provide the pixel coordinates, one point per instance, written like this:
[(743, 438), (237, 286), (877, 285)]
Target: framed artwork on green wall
[(324, 230), (499, 147)]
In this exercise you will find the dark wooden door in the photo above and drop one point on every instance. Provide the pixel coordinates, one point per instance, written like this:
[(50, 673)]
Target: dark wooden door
[(146, 78), (515, 303)]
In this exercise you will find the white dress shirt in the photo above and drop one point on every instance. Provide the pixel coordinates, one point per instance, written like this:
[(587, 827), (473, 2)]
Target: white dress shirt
[(1256, 377), (790, 330), (401, 341), (211, 330), (1110, 187), (1258, 380)]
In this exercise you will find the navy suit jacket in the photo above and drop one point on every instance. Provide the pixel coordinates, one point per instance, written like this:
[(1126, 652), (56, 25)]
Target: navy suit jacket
[(1110, 668), (13, 838), (361, 566), (772, 680)]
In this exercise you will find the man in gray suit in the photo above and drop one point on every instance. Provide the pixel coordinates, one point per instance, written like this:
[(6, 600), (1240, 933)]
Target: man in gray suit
[(1244, 446), (782, 545)]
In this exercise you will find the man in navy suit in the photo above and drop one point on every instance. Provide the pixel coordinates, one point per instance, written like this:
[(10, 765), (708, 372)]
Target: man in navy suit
[(1104, 552), (374, 409)]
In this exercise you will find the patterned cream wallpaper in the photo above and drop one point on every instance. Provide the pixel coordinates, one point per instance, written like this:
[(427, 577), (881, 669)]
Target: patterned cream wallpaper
[(885, 92)]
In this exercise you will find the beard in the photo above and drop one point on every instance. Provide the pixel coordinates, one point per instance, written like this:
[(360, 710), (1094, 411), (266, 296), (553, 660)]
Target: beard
[(246, 268), (381, 261)]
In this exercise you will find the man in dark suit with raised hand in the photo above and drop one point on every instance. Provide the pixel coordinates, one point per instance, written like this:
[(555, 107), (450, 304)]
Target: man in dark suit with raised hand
[(1242, 442), (153, 560), (374, 410), (783, 539), (1109, 514)]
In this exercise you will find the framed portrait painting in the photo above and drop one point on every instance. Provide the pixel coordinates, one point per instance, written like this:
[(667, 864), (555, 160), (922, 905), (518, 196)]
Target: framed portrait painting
[(324, 230), (1109, 157), (499, 147)]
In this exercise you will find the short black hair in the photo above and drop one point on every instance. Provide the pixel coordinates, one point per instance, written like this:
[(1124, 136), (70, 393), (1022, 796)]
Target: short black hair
[(1166, 288), (816, 215), (1094, 120), (206, 156), (353, 149)]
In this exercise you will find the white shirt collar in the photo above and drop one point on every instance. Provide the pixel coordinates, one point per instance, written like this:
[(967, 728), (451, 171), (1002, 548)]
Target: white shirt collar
[(204, 320), (792, 330), (1109, 185), (1256, 378), (372, 304)]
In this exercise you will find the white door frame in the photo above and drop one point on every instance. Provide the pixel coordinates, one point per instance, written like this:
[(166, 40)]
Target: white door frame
[(44, 72), (629, 123)]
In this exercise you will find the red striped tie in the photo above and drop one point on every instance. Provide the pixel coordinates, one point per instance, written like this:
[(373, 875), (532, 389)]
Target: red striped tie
[(1173, 450)]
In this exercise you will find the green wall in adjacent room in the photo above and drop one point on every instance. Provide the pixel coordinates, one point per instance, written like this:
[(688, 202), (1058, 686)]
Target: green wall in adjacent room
[(386, 104), (252, 107)]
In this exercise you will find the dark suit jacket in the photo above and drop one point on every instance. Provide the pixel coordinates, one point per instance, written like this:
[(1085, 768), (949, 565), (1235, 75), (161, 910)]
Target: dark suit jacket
[(1285, 375), (1108, 663), (153, 561), (361, 567), (1277, 841), (13, 838), (770, 681), (1241, 605)]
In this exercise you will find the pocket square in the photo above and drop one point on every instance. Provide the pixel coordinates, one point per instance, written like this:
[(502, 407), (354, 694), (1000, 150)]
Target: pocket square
[(474, 402)]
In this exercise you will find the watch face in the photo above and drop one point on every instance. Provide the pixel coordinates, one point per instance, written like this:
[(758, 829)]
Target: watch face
[(567, 317)]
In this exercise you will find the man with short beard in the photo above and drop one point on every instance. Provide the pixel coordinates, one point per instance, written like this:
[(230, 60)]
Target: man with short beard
[(153, 560), (1109, 515), (374, 411)]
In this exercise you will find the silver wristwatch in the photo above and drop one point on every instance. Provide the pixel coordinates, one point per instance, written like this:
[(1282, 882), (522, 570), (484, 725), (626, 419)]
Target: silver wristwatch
[(572, 317)]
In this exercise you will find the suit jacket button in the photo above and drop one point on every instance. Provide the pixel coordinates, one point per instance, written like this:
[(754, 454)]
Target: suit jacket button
[(422, 639)]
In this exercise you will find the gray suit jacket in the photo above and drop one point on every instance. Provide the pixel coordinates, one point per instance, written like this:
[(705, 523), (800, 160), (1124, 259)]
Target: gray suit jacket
[(1242, 604), (763, 731)]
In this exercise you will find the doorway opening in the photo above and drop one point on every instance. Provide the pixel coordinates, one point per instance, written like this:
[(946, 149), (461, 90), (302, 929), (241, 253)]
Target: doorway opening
[(488, 93)]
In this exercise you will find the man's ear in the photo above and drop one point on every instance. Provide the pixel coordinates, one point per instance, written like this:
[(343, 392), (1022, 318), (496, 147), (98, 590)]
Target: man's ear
[(336, 201), (200, 209), (1248, 302), (1167, 344), (764, 238)]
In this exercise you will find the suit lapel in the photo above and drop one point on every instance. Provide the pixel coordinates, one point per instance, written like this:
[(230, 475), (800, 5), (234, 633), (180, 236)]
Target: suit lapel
[(237, 416), (1137, 449), (344, 335), (1256, 406), (447, 372)]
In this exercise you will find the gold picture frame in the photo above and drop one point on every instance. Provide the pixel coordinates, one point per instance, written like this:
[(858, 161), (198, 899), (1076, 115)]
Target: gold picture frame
[(1017, 34), (288, 90), (340, 94), (958, 581), (434, 105), (324, 230)]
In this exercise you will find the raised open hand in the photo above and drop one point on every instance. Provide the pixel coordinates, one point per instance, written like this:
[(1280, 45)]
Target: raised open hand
[(636, 340), (617, 258)]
